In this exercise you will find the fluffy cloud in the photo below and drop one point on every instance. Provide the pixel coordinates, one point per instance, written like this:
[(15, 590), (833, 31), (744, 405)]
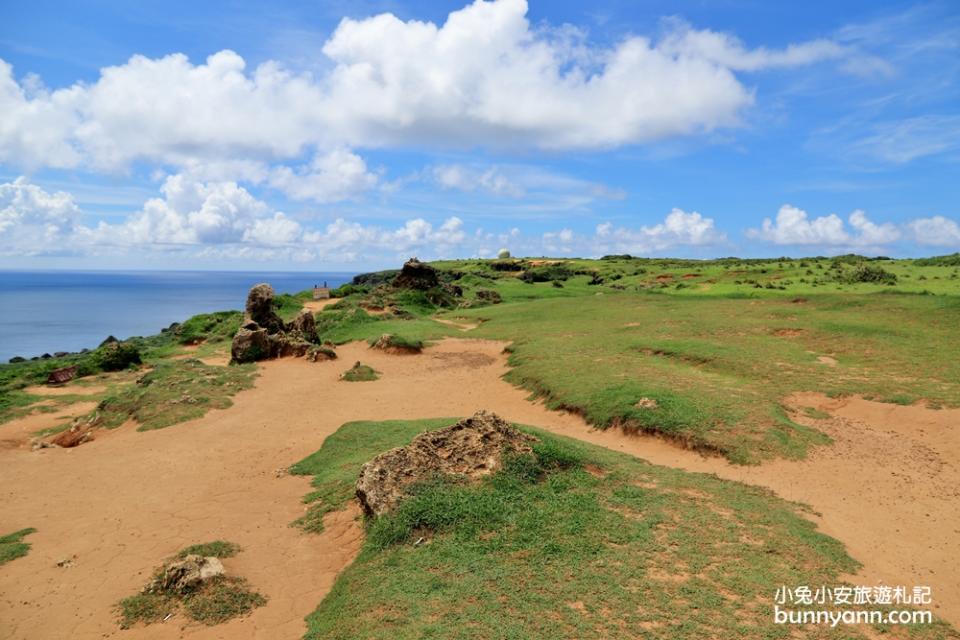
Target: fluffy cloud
[(794, 227), (679, 228), (483, 78), (33, 220), (207, 220), (334, 176), (935, 232), (192, 213), (414, 235)]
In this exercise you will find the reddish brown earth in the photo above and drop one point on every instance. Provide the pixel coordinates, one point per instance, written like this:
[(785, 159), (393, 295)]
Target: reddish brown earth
[(121, 504)]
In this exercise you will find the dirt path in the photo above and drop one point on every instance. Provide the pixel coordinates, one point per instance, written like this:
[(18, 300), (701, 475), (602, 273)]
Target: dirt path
[(319, 305), (127, 500)]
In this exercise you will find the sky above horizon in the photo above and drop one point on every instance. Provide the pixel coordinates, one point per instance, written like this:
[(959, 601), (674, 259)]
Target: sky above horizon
[(341, 135)]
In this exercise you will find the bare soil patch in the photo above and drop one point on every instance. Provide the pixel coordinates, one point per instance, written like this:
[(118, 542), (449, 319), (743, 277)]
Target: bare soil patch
[(117, 506)]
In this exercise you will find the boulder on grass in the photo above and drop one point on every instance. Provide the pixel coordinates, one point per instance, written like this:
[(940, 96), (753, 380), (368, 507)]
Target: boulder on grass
[(472, 448)]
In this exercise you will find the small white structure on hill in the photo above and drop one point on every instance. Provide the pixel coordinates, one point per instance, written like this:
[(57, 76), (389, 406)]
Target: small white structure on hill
[(503, 254)]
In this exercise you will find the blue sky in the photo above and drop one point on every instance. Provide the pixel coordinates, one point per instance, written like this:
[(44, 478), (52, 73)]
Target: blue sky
[(348, 135)]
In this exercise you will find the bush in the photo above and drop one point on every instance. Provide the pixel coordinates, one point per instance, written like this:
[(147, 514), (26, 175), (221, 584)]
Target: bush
[(546, 273), (117, 356), (867, 273)]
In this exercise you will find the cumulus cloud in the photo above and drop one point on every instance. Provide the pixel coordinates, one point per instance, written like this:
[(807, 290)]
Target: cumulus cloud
[(935, 232), (793, 226), (337, 175), (485, 77), (206, 220), (34, 221), (679, 228), (190, 213)]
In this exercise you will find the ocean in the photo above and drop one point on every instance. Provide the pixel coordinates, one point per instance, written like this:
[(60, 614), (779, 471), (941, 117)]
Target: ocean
[(49, 311)]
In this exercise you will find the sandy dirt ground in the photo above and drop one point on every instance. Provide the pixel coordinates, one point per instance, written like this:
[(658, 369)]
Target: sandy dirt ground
[(118, 506), (319, 305)]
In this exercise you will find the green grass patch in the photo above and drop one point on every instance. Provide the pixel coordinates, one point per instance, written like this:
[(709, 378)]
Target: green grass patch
[(174, 391), (12, 545), (216, 549), (147, 608), (221, 599), (209, 327), (718, 367), (572, 541), (360, 372), (336, 466)]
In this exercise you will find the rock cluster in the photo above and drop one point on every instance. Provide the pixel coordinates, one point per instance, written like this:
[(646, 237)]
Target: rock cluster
[(473, 447), (263, 333)]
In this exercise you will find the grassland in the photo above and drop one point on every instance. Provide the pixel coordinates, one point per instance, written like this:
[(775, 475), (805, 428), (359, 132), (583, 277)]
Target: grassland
[(573, 541), (700, 352), (174, 391)]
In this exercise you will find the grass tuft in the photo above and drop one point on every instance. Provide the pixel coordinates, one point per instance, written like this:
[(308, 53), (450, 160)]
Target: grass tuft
[(216, 549), (360, 372), (12, 545)]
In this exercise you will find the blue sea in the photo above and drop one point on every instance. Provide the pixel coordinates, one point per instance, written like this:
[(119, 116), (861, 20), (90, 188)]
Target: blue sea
[(45, 312)]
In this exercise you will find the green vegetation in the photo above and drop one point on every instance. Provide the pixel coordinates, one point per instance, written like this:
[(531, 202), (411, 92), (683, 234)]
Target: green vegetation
[(360, 372), (12, 545), (146, 608), (391, 341), (216, 549), (952, 260), (209, 327), (718, 367), (572, 541), (336, 466), (174, 391), (713, 346), (212, 602), (221, 599)]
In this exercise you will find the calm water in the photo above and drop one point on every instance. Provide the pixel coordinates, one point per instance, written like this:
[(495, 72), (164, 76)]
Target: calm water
[(44, 312)]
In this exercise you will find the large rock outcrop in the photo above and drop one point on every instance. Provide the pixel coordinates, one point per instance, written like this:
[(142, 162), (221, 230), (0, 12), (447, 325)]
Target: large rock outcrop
[(260, 308), (416, 275), (473, 448), (264, 335)]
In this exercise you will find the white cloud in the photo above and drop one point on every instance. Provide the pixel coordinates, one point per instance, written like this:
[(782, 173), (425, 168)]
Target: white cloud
[(935, 232), (794, 227), (416, 234), (483, 78), (902, 141), (728, 51), (337, 175), (491, 180), (190, 213), (679, 228), (33, 220)]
